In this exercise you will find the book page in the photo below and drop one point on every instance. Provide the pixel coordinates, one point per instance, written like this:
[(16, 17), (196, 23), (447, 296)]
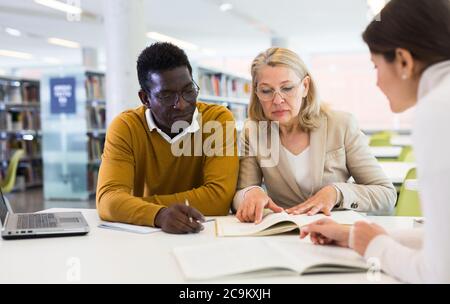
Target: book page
[(309, 258), (345, 217), (228, 257), (262, 257), (231, 226)]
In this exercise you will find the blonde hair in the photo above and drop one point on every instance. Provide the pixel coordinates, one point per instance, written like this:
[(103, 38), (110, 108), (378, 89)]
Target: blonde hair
[(311, 109)]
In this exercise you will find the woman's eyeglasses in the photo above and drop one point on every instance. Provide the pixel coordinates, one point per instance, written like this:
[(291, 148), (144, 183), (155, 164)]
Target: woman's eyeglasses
[(267, 94)]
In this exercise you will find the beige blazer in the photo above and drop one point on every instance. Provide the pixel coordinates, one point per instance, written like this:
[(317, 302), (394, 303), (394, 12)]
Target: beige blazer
[(338, 151)]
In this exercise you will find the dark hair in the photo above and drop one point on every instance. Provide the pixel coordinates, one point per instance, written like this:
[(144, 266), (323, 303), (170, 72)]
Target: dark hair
[(420, 26), (158, 57)]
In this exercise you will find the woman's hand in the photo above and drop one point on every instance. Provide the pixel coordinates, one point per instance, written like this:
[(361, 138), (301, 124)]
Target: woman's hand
[(363, 233), (323, 201), (252, 208), (326, 232)]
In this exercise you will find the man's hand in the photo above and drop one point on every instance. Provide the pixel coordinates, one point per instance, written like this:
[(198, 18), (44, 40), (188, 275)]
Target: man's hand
[(176, 219), (323, 201)]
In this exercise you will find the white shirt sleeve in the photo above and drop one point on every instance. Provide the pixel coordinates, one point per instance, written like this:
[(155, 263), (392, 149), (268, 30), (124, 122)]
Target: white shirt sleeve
[(412, 238), (404, 263)]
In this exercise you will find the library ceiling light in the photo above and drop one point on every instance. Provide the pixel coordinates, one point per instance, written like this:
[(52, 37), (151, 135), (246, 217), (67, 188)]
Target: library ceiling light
[(64, 43), (226, 6), (52, 60), (164, 38), (376, 6), (13, 32), (15, 54), (60, 6)]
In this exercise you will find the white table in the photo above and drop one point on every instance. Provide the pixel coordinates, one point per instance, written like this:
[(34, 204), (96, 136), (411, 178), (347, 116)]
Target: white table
[(401, 140), (107, 256), (386, 152), (396, 171)]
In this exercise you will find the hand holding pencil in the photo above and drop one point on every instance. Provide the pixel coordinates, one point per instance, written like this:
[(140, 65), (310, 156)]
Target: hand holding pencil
[(180, 219)]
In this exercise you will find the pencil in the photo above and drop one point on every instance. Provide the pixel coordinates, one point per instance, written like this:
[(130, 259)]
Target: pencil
[(186, 202)]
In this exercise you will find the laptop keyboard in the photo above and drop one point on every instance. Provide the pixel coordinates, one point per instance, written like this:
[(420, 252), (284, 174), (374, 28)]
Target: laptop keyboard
[(36, 221)]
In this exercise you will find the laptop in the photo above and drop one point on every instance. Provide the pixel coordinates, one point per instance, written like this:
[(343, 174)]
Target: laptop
[(37, 225)]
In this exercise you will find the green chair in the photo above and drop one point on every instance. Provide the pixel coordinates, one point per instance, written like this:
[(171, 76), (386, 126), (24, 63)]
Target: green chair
[(8, 184), (408, 203), (406, 155), (381, 139)]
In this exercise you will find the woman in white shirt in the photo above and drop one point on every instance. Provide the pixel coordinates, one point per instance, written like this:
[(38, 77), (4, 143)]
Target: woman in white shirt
[(410, 48), (313, 151)]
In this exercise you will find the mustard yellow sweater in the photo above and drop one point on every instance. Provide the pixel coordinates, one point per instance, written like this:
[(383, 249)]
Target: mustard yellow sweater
[(139, 174)]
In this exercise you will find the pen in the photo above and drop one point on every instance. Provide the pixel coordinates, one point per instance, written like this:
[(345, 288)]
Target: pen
[(186, 202)]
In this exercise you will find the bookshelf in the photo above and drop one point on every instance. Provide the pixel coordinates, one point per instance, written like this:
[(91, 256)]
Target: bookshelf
[(20, 128), (224, 88), (74, 130)]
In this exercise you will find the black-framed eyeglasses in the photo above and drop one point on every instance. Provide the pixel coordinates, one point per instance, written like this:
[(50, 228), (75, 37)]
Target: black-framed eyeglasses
[(170, 98)]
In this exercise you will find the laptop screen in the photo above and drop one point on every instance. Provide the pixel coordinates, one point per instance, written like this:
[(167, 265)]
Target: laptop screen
[(3, 208)]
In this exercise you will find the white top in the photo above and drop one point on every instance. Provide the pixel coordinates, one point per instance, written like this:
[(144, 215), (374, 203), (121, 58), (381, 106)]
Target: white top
[(192, 128), (430, 263), (301, 168), (109, 256)]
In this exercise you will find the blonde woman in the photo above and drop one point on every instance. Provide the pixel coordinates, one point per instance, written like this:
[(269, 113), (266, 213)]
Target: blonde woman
[(318, 151)]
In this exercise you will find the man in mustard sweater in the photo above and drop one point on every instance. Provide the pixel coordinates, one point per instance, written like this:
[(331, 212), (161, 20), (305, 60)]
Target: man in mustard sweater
[(143, 179)]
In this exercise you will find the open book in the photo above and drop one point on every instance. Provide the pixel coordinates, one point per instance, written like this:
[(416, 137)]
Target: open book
[(275, 223), (259, 257)]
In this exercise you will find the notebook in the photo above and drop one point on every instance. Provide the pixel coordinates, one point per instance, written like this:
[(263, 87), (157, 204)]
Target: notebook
[(128, 227), (274, 223), (264, 257)]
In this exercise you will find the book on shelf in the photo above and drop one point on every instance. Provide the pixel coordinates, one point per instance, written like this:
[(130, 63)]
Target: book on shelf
[(4, 150), (96, 117), (32, 148), (32, 174), (94, 85), (3, 121), (19, 91), (17, 120), (264, 257), (275, 223), (30, 92), (10, 91), (95, 148), (220, 84), (92, 179)]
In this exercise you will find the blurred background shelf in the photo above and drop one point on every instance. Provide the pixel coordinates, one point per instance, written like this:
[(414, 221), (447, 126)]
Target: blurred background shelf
[(20, 129)]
